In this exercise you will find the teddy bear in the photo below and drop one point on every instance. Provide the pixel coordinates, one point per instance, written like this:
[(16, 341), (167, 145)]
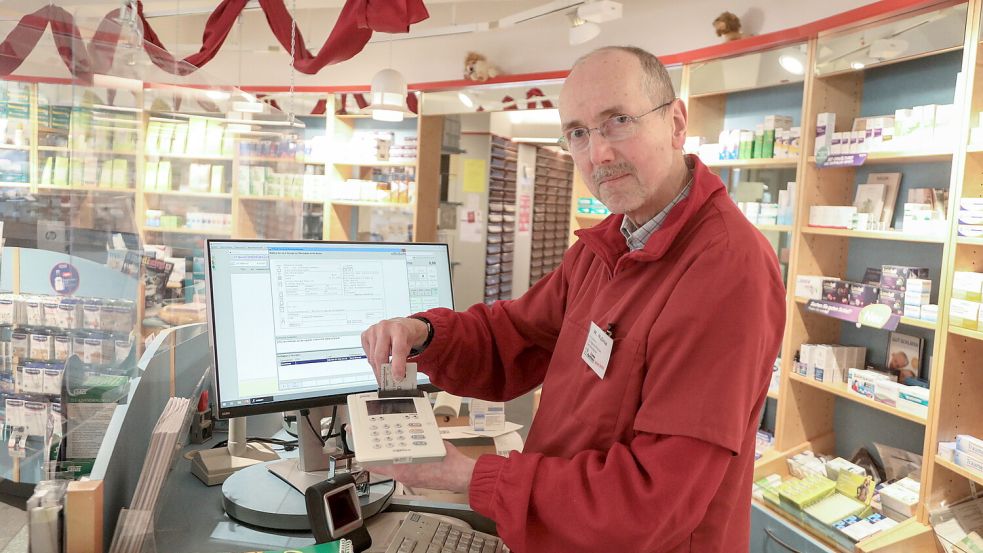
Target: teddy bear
[(728, 26), (477, 68)]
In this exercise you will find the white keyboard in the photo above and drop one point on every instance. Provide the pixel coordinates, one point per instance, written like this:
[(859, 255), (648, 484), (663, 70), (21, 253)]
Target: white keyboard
[(420, 533)]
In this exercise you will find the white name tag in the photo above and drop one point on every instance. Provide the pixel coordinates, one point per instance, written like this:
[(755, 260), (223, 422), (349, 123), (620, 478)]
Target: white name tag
[(597, 350)]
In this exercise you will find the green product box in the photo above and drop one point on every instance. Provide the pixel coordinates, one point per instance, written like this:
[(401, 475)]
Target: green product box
[(768, 144), (61, 117), (18, 111), (582, 209)]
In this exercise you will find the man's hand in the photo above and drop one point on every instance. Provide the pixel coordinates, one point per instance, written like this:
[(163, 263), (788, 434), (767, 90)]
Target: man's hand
[(393, 338), (453, 473)]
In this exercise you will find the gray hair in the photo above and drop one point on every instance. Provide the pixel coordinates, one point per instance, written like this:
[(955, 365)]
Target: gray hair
[(655, 78)]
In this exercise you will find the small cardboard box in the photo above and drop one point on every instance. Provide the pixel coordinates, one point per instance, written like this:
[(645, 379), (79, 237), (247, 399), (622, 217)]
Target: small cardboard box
[(863, 294), (836, 291)]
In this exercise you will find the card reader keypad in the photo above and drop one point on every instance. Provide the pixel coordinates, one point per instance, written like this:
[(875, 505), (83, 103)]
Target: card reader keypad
[(386, 432)]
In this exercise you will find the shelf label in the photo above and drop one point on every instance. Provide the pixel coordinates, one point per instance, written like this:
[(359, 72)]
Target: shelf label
[(841, 160), (874, 315)]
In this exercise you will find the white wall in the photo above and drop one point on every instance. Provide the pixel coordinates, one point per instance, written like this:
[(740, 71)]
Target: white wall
[(662, 26)]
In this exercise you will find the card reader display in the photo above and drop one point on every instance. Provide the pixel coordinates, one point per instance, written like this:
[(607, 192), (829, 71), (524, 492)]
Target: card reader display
[(394, 430)]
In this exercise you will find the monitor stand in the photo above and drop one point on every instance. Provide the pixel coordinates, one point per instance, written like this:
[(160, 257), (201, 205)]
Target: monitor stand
[(214, 466), (271, 495)]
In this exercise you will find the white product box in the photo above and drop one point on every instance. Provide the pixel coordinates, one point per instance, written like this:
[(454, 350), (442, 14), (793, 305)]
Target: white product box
[(970, 231), (915, 299), (825, 127), (864, 382), (887, 392), (899, 497), (912, 311), (963, 313), (947, 450), (930, 313), (810, 286), (487, 415), (918, 286), (831, 216), (971, 204), (795, 142), (968, 460), (967, 286), (969, 444), (835, 466), (970, 217), (913, 399)]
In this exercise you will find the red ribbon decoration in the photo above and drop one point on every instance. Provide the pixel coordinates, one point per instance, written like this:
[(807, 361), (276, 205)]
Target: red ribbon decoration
[(357, 21), (537, 93)]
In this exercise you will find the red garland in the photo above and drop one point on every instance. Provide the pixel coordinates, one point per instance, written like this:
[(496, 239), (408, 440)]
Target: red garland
[(357, 21)]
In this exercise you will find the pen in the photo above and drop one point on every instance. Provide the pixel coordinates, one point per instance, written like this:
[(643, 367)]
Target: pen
[(610, 330)]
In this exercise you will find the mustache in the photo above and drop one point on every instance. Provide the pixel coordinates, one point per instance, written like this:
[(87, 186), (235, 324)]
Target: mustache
[(614, 170)]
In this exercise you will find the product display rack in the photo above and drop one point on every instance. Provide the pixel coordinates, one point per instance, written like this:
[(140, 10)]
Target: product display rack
[(500, 244), (550, 226)]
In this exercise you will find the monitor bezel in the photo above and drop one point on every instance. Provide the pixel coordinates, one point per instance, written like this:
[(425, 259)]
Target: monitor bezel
[(291, 404)]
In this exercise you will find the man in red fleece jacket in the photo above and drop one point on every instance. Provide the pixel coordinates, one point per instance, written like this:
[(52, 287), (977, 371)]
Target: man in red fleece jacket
[(652, 449)]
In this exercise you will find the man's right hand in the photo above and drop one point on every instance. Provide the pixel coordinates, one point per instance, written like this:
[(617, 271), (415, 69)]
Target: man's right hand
[(393, 338)]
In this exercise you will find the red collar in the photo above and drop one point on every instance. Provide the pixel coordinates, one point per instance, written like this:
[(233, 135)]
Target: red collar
[(606, 241)]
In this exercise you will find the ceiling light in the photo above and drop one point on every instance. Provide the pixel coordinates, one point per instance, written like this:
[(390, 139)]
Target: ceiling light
[(581, 31), (857, 65), (791, 63), (600, 11), (466, 99), (217, 95), (388, 96)]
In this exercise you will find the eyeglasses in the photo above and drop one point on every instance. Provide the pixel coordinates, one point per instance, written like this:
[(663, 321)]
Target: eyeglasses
[(614, 128)]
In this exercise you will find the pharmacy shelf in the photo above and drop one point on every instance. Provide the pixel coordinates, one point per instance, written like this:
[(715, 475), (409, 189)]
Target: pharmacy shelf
[(13, 147), (842, 390), (270, 199), (774, 228), (102, 189), (369, 163), (191, 157), (15, 185), (267, 159), (974, 149), (919, 323), (773, 163), (895, 235), (886, 158), (961, 471), (183, 194), (965, 332), (85, 152), (355, 203), (966, 241), (204, 232)]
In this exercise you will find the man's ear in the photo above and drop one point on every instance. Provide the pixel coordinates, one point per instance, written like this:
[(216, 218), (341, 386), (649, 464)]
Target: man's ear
[(679, 122)]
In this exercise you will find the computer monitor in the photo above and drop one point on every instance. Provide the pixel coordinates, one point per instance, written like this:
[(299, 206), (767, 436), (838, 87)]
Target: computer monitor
[(286, 317)]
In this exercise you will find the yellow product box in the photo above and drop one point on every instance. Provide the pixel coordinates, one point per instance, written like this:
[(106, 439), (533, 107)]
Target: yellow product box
[(964, 314), (967, 286)]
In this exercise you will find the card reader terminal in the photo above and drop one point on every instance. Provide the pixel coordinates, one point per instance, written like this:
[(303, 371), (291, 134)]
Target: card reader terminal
[(394, 429)]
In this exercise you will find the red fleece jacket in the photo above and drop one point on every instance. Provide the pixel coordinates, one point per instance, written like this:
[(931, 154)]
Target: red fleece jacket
[(658, 455)]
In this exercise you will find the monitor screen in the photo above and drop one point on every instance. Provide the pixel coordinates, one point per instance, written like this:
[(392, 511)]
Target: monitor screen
[(286, 317)]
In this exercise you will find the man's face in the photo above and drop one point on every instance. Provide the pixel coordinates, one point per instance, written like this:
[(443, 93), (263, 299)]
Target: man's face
[(626, 175)]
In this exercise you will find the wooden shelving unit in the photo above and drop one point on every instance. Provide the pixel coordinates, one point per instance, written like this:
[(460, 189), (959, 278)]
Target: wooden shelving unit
[(894, 235)]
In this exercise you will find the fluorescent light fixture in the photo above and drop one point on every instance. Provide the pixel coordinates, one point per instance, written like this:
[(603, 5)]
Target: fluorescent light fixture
[(217, 95), (238, 128), (857, 65), (535, 117), (388, 115), (792, 64), (465, 99)]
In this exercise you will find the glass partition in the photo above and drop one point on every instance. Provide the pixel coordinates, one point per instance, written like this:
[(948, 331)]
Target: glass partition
[(893, 41), (111, 177), (774, 67)]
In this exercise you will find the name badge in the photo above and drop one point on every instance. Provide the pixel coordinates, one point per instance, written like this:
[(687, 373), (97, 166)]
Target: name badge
[(597, 350)]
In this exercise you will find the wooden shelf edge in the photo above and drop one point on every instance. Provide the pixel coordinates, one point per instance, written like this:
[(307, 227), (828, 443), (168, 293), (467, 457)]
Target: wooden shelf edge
[(841, 391), (773, 394), (893, 235), (961, 471), (907, 537), (966, 333)]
